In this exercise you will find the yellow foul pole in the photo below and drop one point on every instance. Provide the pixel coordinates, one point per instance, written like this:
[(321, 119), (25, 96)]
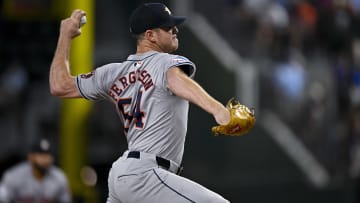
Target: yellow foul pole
[(75, 112)]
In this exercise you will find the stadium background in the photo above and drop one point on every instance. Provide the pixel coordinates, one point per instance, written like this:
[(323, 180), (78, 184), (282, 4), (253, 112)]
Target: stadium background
[(304, 57)]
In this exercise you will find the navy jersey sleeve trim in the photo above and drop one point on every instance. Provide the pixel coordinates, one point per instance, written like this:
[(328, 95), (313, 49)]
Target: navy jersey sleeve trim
[(78, 86), (191, 71)]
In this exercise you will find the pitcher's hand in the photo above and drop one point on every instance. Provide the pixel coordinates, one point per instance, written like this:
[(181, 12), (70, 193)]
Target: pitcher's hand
[(70, 27)]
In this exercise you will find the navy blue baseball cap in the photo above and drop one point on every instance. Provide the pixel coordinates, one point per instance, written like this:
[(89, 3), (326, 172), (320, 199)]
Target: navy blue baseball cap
[(153, 15), (40, 146)]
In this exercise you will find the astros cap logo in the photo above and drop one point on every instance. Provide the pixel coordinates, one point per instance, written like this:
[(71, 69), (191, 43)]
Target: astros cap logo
[(167, 10), (45, 145)]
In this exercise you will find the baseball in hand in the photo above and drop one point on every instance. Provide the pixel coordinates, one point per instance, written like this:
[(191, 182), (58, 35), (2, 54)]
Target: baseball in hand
[(82, 21)]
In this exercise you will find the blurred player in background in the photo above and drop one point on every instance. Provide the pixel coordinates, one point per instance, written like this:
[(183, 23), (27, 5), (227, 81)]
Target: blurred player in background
[(35, 180)]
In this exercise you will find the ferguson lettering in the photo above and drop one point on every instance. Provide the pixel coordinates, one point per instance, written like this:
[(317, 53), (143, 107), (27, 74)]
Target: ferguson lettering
[(131, 78)]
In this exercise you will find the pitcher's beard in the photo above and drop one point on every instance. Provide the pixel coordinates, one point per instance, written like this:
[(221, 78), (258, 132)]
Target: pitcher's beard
[(41, 169)]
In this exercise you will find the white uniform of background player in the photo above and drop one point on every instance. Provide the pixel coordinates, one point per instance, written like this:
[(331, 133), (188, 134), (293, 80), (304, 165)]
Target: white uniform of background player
[(150, 91)]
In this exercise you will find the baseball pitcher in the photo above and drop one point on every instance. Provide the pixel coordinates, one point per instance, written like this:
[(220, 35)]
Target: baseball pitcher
[(151, 91)]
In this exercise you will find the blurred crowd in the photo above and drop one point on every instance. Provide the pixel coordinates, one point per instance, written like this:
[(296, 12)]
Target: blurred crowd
[(308, 55), (26, 108), (307, 52)]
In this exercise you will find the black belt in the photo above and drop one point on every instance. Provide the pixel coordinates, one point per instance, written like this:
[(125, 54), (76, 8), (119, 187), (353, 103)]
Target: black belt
[(160, 161)]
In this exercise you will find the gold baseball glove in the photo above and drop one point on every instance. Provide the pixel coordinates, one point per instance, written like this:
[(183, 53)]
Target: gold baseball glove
[(241, 121)]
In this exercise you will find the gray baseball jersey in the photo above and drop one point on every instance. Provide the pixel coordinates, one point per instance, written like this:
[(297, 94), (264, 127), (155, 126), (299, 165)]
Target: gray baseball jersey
[(155, 121), (155, 124), (19, 185)]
